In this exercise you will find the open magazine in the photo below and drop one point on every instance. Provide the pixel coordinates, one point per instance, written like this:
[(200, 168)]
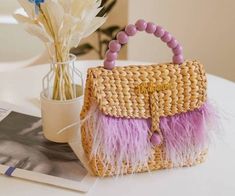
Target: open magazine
[(26, 154)]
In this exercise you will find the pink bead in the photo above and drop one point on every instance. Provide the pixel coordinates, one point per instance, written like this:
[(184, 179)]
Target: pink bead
[(151, 27), (131, 30), (173, 43), (178, 50), (155, 139), (114, 46), (159, 31), (109, 64), (111, 56), (178, 59), (141, 25), (166, 37), (122, 37)]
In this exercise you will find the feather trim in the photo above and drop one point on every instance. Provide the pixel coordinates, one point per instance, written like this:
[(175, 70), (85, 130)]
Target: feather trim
[(121, 140), (186, 135), (117, 140)]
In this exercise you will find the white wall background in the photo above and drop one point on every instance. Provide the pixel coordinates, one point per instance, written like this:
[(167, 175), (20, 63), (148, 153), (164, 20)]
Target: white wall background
[(205, 28), (15, 43)]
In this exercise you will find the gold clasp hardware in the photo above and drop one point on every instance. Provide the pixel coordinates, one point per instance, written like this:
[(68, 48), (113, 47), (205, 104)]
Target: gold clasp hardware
[(146, 88)]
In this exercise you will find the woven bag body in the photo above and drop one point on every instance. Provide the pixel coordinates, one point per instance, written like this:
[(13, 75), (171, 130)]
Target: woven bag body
[(125, 106)]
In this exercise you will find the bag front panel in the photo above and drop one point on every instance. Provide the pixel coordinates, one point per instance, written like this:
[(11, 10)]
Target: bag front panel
[(125, 91)]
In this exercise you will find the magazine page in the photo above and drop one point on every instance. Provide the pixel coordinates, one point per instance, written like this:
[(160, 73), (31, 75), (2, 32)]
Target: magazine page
[(26, 154)]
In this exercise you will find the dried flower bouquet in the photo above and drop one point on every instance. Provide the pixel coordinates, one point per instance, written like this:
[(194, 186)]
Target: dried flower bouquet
[(61, 24)]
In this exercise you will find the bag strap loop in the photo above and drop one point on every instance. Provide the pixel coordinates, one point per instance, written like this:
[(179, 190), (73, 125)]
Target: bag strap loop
[(130, 30)]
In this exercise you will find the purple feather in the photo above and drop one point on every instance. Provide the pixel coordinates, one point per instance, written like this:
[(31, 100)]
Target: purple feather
[(187, 134), (118, 140)]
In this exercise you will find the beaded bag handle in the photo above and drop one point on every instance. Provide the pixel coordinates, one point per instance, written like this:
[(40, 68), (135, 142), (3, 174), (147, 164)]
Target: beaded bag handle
[(130, 30)]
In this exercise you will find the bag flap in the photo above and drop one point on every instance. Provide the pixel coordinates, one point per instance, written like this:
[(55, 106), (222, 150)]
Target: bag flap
[(125, 91)]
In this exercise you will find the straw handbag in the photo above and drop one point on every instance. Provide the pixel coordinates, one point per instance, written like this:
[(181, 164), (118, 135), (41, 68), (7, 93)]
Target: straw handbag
[(146, 117)]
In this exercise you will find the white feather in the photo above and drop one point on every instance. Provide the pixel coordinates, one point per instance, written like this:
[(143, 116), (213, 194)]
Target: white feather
[(55, 14), (28, 7), (39, 32), (69, 24), (78, 6), (67, 5), (22, 19), (75, 40), (93, 26)]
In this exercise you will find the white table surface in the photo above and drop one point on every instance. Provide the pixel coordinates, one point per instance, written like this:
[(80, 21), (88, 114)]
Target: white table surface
[(214, 177)]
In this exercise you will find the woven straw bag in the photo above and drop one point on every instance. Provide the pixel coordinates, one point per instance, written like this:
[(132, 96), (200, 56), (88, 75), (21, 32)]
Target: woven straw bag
[(147, 117)]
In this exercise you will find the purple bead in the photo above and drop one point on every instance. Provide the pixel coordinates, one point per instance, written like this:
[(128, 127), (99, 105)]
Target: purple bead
[(173, 43), (109, 64), (131, 30), (114, 46), (178, 50), (151, 27), (141, 25), (155, 139), (122, 37), (166, 37), (178, 59), (111, 56), (159, 31)]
